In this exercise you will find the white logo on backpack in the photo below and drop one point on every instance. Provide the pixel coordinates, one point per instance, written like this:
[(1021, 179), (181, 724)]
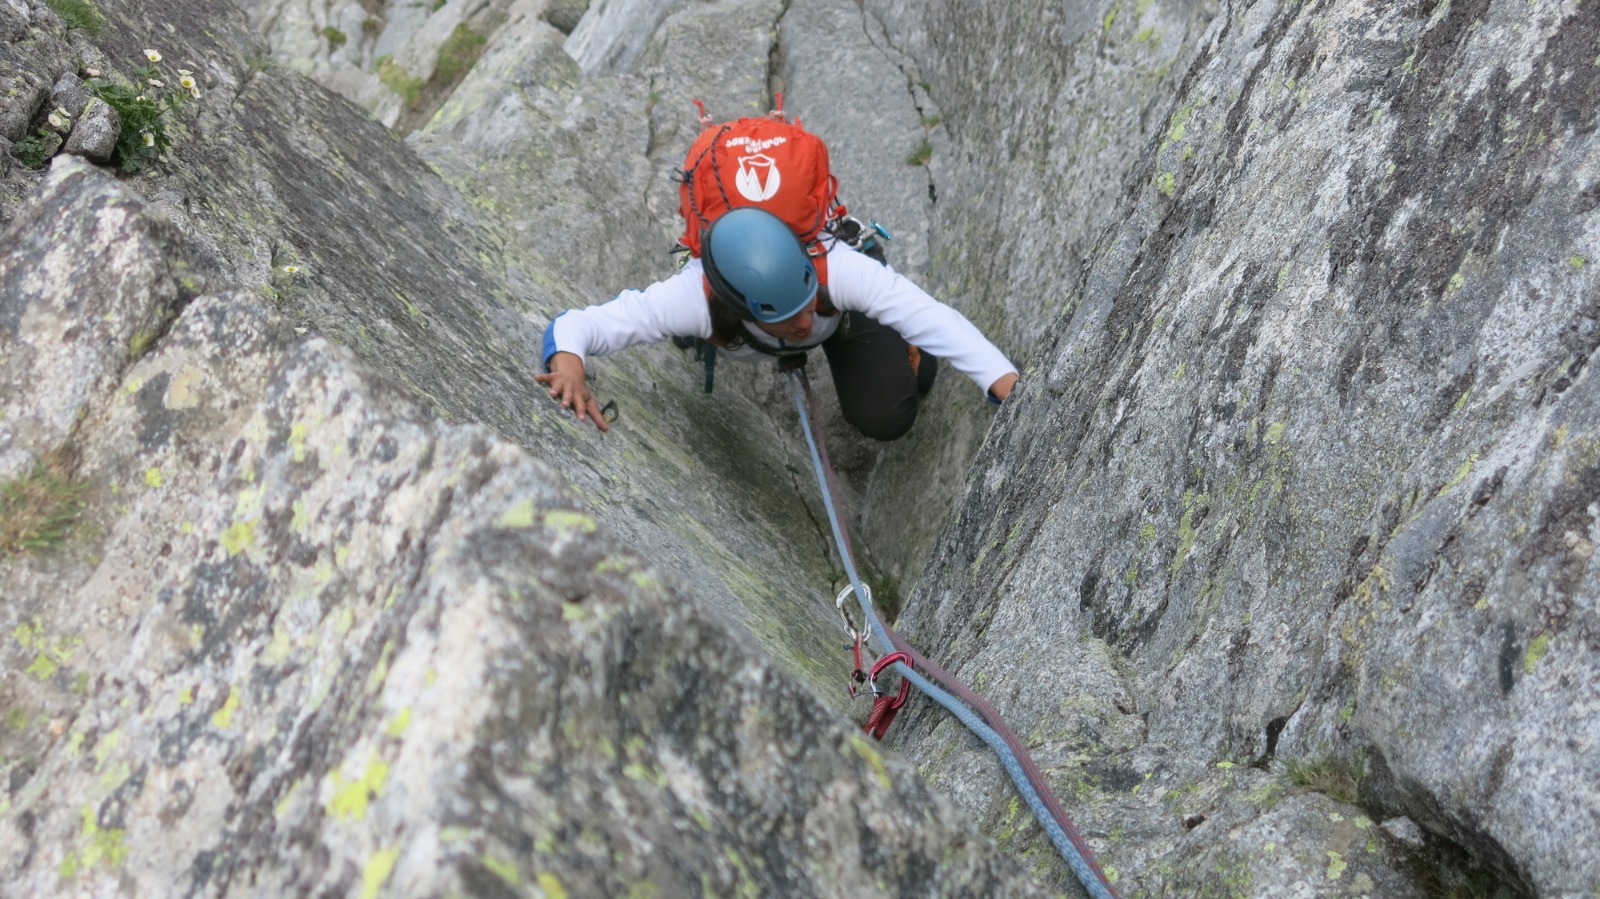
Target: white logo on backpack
[(758, 177)]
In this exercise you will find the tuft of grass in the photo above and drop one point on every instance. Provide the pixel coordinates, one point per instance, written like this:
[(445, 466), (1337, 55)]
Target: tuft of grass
[(259, 62), (921, 154), (1336, 777), (334, 37), (397, 79), (39, 509), (78, 14), (885, 589), (457, 55)]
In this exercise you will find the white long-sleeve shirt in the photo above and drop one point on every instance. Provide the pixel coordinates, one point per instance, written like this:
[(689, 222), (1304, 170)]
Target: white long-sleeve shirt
[(677, 307)]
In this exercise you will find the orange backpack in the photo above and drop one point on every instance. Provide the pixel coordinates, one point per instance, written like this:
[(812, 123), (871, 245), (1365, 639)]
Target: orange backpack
[(764, 161)]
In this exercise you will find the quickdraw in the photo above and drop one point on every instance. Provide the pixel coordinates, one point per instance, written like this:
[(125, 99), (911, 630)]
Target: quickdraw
[(884, 705)]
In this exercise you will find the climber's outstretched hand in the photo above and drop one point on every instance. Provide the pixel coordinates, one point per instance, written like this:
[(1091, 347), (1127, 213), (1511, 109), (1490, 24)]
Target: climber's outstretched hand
[(565, 381)]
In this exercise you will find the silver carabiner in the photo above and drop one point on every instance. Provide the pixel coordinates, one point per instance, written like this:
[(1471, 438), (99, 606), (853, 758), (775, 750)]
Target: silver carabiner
[(838, 603)]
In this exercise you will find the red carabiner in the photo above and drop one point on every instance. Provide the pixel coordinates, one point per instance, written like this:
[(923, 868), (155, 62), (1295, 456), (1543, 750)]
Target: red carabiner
[(885, 707)]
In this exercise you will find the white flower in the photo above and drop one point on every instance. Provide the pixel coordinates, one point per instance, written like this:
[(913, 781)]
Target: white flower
[(157, 83), (56, 121), (187, 83), (141, 99), (91, 72), (185, 72), (291, 269), (61, 111), (149, 139), (152, 55)]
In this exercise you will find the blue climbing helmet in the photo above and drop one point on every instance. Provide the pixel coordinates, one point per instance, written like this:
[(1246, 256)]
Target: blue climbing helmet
[(756, 265)]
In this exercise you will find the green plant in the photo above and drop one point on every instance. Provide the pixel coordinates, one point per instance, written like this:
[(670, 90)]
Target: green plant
[(397, 79), (258, 62), (885, 589), (921, 154), (142, 101), (335, 37), (78, 14), (457, 54), (38, 509), (35, 151), (1336, 777)]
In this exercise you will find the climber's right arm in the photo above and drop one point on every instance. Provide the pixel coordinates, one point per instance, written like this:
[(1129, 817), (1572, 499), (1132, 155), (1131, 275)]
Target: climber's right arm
[(675, 307)]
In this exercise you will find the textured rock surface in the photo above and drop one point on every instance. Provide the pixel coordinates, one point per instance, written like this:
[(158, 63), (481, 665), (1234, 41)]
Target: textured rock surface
[(299, 646), (1320, 430), (107, 261), (318, 641), (1298, 487)]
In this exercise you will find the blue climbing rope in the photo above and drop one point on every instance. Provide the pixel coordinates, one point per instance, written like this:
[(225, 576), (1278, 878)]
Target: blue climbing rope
[(1013, 757)]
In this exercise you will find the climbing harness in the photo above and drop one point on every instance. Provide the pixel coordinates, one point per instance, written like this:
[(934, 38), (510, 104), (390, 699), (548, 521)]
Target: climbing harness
[(972, 710)]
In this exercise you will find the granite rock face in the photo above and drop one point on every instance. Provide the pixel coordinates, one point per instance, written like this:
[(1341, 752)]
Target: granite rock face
[(351, 606), (1280, 560), (1319, 432), (313, 639)]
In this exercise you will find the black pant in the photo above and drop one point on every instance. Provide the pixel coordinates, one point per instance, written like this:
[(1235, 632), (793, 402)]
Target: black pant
[(879, 392)]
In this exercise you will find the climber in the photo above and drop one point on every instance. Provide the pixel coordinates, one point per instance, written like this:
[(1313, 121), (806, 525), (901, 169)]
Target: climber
[(753, 293)]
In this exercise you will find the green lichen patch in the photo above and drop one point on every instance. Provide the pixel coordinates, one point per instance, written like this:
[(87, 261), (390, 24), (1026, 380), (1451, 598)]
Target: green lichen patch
[(1537, 648), (350, 798), (50, 652), (506, 871), (872, 757), (239, 536), (222, 718), (519, 516), (566, 523), (377, 871), (551, 885), (103, 846)]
